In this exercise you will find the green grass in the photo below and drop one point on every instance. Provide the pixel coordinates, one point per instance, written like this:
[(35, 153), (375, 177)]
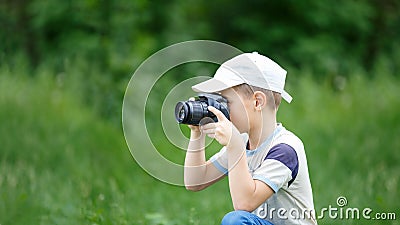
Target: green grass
[(60, 163)]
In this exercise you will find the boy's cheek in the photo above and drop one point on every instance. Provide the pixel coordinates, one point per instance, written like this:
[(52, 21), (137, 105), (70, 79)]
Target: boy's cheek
[(240, 123)]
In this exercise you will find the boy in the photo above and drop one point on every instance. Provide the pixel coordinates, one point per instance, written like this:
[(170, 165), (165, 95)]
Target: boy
[(265, 163)]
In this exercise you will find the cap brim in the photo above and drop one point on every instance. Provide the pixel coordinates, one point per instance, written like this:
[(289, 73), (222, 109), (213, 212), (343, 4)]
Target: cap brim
[(214, 85), (286, 96)]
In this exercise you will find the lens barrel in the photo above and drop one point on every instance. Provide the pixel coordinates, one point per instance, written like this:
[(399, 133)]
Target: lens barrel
[(192, 112)]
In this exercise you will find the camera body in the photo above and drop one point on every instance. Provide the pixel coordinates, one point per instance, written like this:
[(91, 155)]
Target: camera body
[(193, 112)]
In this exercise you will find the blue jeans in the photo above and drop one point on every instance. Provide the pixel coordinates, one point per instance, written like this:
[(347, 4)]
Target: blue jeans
[(243, 217)]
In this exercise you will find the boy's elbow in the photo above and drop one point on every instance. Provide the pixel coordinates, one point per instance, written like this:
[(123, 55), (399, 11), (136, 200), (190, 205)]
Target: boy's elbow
[(194, 188), (244, 206), (192, 185)]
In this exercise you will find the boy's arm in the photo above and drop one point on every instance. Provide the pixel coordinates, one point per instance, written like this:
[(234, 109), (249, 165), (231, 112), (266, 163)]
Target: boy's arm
[(198, 174), (247, 194)]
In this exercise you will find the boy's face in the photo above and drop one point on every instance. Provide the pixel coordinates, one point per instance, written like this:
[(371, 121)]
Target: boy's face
[(240, 107)]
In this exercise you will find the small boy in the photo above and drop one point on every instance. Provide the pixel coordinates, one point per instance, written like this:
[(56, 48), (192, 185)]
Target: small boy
[(266, 164)]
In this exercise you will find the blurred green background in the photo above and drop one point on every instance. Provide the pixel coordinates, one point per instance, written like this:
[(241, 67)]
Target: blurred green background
[(64, 67)]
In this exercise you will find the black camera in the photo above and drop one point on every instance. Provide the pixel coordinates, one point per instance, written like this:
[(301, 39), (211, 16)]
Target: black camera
[(192, 112)]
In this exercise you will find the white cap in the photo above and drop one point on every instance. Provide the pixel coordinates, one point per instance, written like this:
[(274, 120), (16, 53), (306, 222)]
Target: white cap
[(247, 68)]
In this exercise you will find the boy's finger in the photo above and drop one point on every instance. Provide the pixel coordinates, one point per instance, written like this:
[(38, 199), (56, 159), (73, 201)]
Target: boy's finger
[(208, 126), (192, 99), (211, 135), (209, 131), (219, 114)]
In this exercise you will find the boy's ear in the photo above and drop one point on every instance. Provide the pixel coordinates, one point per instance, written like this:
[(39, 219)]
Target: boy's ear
[(260, 100)]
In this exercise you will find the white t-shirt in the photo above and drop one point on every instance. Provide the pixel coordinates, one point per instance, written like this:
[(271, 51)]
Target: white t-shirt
[(280, 162)]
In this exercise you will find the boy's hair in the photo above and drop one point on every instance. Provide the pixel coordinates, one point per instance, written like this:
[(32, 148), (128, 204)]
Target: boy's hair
[(273, 98)]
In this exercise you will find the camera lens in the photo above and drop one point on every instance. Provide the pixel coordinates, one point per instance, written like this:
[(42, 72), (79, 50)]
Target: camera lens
[(181, 112), (192, 112)]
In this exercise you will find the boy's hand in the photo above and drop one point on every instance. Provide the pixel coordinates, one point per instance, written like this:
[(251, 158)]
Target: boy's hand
[(223, 130), (193, 128)]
